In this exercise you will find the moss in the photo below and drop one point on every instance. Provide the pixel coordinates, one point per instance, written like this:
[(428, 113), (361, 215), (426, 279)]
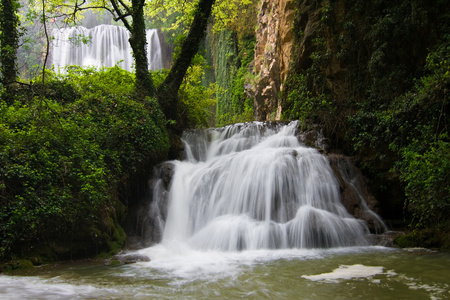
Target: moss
[(431, 238), (406, 241), (115, 262), (16, 264)]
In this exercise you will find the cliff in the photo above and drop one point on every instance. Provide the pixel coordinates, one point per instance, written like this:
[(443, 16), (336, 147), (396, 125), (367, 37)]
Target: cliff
[(275, 39)]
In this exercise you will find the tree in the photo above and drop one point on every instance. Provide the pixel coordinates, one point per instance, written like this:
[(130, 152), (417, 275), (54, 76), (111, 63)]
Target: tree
[(9, 39), (144, 83), (168, 90), (133, 18)]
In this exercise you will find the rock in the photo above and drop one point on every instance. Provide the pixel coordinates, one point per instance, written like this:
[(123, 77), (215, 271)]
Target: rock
[(130, 258), (354, 193), (275, 40)]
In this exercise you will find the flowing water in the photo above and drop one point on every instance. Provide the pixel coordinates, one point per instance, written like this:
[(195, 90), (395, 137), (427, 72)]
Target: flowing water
[(250, 213), (183, 273), (255, 186), (103, 45)]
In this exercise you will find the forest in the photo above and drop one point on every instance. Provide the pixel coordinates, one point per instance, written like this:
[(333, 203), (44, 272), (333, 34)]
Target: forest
[(77, 147)]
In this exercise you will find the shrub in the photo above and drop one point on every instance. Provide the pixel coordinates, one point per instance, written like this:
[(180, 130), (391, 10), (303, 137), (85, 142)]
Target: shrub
[(65, 154)]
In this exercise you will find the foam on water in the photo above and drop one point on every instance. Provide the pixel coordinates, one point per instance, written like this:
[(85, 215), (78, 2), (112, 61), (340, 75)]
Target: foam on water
[(20, 288), (182, 262), (347, 272)]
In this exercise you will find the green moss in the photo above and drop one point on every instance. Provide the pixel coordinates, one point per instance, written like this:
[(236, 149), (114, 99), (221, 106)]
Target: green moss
[(407, 241), (432, 238), (16, 264), (115, 262)]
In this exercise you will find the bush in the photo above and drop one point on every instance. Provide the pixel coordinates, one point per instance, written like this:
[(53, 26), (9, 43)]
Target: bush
[(427, 179), (414, 129), (65, 153)]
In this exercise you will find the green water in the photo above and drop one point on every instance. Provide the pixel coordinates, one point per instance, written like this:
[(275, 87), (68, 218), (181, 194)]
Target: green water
[(365, 273)]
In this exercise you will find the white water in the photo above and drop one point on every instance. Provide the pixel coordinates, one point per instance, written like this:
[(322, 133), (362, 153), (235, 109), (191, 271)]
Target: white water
[(107, 47), (254, 186)]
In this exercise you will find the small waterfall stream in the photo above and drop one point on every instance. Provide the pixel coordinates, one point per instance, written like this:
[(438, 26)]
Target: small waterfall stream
[(253, 186), (107, 45)]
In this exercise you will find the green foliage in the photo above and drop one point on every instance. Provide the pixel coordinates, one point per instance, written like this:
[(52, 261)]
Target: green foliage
[(437, 238), (427, 179), (9, 40), (224, 54), (232, 58), (414, 131), (304, 105), (196, 99), (66, 154), (174, 16)]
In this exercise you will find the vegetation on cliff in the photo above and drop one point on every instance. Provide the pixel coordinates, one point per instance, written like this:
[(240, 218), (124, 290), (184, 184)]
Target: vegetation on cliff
[(232, 45), (375, 75)]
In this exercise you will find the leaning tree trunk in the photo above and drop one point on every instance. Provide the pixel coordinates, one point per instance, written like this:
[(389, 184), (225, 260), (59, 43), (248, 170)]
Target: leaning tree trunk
[(9, 41), (138, 42), (168, 90)]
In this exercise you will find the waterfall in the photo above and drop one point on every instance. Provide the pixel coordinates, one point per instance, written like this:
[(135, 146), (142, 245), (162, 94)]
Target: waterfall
[(253, 186), (107, 45)]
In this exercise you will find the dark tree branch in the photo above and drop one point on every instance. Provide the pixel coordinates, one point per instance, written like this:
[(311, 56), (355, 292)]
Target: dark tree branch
[(120, 15), (47, 41), (128, 10), (168, 90)]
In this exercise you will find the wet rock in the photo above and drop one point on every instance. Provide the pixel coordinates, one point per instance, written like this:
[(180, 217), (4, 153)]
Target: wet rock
[(130, 258), (355, 195), (166, 170)]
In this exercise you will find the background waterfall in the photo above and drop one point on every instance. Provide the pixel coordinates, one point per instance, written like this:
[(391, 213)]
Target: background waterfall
[(253, 186), (106, 46)]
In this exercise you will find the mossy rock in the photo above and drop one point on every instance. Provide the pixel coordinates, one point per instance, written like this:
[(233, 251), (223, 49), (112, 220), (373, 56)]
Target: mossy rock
[(16, 264), (431, 238)]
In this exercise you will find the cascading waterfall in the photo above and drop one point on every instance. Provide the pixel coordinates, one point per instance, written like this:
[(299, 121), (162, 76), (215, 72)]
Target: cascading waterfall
[(254, 186), (107, 46)]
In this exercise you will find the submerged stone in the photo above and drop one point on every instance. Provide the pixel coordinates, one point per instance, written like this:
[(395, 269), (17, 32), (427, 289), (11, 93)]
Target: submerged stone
[(130, 258)]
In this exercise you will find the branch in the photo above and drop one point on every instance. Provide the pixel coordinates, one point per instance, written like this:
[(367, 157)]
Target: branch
[(47, 40), (168, 90), (122, 18), (125, 6), (121, 15)]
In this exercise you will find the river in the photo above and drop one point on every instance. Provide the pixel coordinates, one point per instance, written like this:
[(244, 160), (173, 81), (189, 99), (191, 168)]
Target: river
[(340, 273)]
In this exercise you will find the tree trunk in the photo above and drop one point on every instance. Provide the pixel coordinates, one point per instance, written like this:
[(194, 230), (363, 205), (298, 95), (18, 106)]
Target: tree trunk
[(9, 42), (168, 90), (138, 42)]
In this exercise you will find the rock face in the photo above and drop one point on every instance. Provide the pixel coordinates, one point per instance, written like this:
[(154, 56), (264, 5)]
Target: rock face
[(145, 221), (354, 192), (272, 56)]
